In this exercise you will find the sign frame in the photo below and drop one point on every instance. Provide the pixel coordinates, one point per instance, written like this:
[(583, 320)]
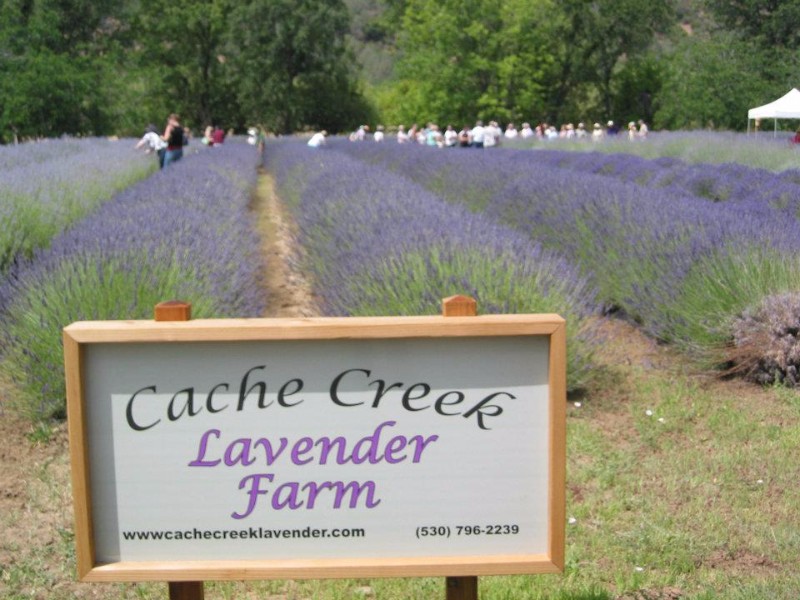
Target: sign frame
[(78, 336)]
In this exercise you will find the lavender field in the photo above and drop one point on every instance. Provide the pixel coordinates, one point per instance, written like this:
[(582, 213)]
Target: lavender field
[(699, 256), (184, 233), (687, 269), (680, 482), (46, 186)]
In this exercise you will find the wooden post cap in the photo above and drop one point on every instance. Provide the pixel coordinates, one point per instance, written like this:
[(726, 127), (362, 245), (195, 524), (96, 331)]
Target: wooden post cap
[(173, 310), (459, 306)]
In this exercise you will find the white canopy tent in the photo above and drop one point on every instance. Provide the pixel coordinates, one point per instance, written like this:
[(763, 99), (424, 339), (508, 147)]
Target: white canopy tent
[(785, 107)]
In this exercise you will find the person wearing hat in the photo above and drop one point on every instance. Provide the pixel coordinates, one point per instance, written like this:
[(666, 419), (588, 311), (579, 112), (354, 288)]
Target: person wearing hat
[(611, 128), (153, 143)]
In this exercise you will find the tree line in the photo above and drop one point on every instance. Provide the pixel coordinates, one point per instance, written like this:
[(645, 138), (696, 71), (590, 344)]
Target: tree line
[(99, 67)]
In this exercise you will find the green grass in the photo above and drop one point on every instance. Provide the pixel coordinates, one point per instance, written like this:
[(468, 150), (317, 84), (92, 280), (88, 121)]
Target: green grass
[(717, 290)]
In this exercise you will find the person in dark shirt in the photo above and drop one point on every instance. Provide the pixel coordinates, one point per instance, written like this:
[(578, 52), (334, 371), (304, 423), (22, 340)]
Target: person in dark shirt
[(174, 136)]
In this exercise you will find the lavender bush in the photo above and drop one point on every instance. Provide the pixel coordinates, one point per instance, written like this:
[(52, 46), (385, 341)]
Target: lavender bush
[(762, 150), (184, 233), (46, 186), (766, 341), (755, 190), (377, 243), (655, 254)]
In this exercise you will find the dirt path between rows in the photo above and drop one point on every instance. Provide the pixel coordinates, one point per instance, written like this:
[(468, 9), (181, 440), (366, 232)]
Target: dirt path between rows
[(288, 291)]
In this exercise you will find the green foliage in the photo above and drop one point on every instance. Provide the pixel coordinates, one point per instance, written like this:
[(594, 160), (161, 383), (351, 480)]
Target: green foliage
[(292, 65), (52, 61), (769, 23), (516, 59), (595, 39), (461, 61), (47, 94), (408, 284), (719, 289), (185, 39), (712, 82), (107, 290)]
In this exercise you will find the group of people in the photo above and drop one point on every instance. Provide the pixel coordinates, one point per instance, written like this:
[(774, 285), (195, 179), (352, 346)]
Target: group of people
[(168, 145), (490, 134)]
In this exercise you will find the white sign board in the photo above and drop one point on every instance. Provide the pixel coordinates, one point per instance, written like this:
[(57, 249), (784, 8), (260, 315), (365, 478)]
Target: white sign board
[(313, 452)]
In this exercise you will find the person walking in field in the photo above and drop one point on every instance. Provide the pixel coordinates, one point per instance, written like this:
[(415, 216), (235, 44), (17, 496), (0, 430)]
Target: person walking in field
[(174, 137), (154, 143)]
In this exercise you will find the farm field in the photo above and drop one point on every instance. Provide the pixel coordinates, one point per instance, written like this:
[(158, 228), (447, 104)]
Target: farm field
[(680, 481)]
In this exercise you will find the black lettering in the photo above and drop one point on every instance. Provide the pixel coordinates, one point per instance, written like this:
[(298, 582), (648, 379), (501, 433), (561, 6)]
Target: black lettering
[(209, 406), (262, 390), (407, 397), (479, 411), (335, 386), (188, 407), (129, 411), (440, 403), (282, 393)]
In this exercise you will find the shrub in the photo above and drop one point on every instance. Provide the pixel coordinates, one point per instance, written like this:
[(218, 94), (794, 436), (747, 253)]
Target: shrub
[(766, 341), (184, 233)]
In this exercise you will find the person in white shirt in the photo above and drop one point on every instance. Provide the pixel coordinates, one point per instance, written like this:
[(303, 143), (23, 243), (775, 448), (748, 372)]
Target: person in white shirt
[(511, 132), (378, 137), (450, 137), (526, 131), (477, 135), (402, 136), (155, 143), (491, 135), (318, 139), (598, 133)]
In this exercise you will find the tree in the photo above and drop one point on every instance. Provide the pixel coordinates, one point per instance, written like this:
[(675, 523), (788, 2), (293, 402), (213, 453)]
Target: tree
[(711, 82), (769, 23), (597, 37), (462, 60), (291, 66), (51, 56), (183, 53)]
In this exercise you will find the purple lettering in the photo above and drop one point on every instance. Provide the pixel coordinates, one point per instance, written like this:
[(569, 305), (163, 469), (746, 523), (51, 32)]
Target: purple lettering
[(201, 450)]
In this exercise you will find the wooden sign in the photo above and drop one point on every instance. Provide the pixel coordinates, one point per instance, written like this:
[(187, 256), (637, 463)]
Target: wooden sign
[(328, 447)]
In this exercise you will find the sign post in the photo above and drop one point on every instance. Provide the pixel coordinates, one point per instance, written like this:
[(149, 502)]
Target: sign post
[(175, 310), (460, 588), (359, 447)]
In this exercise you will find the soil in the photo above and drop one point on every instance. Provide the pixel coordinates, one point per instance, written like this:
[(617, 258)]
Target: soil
[(289, 293)]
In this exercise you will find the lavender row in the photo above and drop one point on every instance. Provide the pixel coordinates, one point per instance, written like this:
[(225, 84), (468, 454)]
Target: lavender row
[(376, 243), (651, 252), (185, 233), (46, 186), (747, 187)]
